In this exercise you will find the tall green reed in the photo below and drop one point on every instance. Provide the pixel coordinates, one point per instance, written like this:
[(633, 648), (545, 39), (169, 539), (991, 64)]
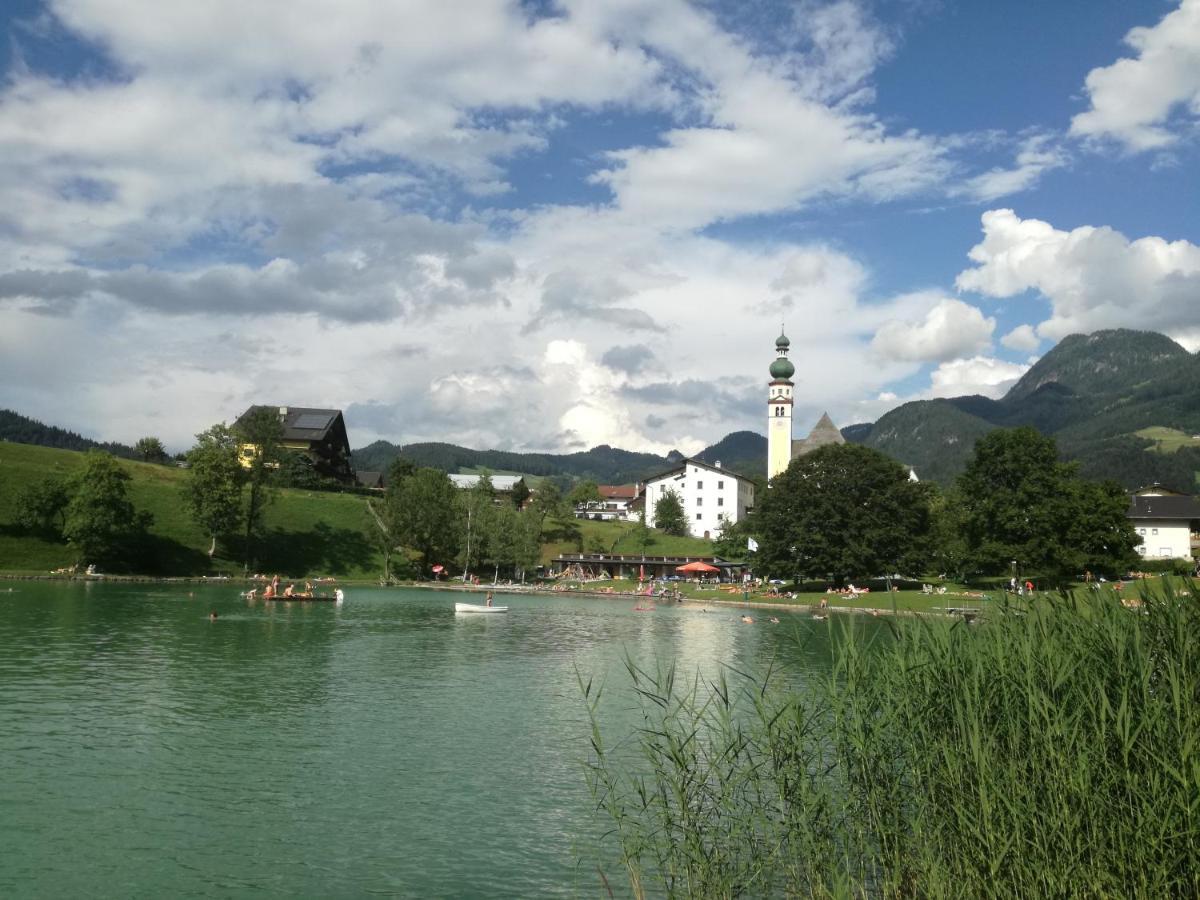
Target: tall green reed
[(1052, 751)]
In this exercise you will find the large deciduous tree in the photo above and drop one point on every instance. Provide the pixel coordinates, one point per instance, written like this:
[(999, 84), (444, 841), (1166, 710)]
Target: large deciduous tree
[(1020, 503), (669, 516), (584, 492), (843, 511), (213, 489), (41, 507), (101, 521), (423, 515), (151, 450)]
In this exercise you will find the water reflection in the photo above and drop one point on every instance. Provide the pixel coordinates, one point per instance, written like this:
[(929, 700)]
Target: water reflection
[(385, 745)]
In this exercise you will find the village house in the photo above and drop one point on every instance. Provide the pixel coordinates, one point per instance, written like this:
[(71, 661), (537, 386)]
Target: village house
[(618, 502), (319, 434), (1165, 521), (706, 492)]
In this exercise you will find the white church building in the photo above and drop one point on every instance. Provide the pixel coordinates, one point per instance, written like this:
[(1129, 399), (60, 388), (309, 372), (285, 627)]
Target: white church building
[(706, 492)]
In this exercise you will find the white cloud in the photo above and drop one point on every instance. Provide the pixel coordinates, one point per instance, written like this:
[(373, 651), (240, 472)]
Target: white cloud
[(1093, 277), (1037, 154), (594, 413), (1021, 338), (977, 375), (266, 182), (949, 329), (1134, 99)]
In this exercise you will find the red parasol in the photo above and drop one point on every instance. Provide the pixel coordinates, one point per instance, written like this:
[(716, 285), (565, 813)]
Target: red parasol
[(438, 569), (696, 567)]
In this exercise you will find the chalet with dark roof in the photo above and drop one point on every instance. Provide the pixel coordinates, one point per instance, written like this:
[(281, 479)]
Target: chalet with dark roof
[(1165, 521), (320, 434)]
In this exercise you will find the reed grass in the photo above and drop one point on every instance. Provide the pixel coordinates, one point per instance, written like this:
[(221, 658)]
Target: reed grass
[(1052, 751)]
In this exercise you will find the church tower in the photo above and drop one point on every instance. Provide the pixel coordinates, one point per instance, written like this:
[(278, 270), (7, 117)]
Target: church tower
[(779, 410)]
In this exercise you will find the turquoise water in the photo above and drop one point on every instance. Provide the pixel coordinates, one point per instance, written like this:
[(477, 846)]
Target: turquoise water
[(387, 746)]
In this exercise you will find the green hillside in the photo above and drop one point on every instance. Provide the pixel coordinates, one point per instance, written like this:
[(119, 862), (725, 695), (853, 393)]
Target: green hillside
[(744, 452), (603, 464), (933, 436), (308, 533), (1114, 361), (1109, 399), (587, 536), (24, 430)]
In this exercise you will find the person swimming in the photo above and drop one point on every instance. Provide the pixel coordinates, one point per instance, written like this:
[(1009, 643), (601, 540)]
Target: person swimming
[(212, 616)]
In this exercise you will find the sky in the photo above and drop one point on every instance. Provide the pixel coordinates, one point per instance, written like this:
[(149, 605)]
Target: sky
[(549, 225)]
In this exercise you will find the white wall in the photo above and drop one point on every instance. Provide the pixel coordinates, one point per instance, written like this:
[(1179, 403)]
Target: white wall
[(1164, 538), (706, 494)]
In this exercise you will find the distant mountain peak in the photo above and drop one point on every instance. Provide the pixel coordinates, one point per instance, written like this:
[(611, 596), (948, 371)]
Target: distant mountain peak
[(1102, 361)]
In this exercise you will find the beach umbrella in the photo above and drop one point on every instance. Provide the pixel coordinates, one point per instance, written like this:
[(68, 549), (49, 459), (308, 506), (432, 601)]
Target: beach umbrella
[(697, 567)]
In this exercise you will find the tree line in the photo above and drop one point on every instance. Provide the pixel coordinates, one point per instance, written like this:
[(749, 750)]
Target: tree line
[(839, 513), (847, 511), (423, 521)]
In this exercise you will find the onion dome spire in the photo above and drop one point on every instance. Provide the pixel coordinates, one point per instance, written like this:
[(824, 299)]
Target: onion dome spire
[(782, 369)]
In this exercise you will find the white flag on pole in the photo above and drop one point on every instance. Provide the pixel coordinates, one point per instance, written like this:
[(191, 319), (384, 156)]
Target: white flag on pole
[(752, 545)]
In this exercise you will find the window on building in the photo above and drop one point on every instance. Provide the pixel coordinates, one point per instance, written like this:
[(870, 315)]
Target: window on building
[(1141, 531), (720, 484), (699, 485), (697, 517), (699, 501), (1154, 531), (720, 501)]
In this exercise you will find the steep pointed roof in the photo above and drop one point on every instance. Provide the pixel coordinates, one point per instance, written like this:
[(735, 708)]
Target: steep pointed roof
[(823, 434)]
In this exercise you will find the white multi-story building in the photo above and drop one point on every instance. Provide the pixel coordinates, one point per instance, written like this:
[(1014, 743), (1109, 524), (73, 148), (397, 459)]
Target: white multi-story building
[(1164, 521), (707, 492)]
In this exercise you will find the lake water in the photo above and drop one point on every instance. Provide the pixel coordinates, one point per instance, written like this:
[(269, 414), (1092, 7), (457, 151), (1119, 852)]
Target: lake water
[(387, 746)]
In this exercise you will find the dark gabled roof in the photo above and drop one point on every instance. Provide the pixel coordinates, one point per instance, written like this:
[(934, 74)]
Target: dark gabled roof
[(682, 465), (302, 423), (370, 479), (1173, 507)]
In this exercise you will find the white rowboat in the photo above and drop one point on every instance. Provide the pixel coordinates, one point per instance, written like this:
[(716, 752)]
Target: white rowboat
[(478, 608)]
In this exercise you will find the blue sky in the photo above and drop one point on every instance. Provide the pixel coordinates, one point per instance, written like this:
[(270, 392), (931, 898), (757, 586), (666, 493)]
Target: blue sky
[(550, 225)]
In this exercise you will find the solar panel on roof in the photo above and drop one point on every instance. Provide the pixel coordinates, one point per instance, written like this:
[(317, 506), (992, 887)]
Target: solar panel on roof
[(315, 421)]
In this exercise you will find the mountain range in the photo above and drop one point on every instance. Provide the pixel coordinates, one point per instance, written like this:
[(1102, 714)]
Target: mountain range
[(1124, 404)]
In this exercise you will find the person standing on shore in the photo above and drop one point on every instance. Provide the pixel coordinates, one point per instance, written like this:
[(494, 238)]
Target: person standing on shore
[(489, 598)]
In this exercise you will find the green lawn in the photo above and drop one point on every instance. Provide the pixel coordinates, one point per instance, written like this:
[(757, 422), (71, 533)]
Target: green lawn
[(589, 536), (308, 532), (1168, 440)]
